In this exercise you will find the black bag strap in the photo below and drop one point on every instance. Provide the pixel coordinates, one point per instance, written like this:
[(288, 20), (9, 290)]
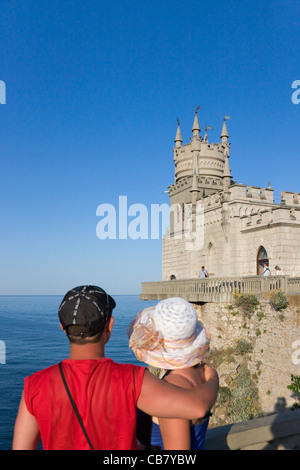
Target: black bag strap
[(144, 426), (74, 406)]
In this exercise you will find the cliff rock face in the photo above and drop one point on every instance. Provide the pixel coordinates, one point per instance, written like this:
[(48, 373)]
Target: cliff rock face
[(255, 351)]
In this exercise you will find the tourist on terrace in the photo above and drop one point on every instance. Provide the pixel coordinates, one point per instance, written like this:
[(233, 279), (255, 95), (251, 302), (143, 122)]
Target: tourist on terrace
[(203, 273), (266, 270)]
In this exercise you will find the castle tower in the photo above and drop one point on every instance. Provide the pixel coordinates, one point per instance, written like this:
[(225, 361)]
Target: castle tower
[(200, 159), (234, 226)]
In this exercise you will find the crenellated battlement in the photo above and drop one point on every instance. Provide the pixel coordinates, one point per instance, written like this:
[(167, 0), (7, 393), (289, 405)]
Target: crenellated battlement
[(265, 195), (241, 193), (290, 199), (209, 182), (254, 206), (251, 193), (210, 161)]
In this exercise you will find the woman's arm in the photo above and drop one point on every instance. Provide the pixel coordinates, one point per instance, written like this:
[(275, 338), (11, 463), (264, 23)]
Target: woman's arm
[(176, 434), (159, 398), (26, 434)]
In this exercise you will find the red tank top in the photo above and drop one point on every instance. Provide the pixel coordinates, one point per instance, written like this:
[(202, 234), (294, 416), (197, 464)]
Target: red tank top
[(106, 395)]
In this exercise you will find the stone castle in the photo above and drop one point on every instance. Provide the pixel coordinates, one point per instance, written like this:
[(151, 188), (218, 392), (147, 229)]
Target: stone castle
[(243, 227)]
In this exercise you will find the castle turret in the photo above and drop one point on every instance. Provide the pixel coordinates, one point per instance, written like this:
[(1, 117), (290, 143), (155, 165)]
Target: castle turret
[(205, 139), (196, 128), (194, 189), (205, 158), (196, 143), (227, 174), (224, 133), (178, 138)]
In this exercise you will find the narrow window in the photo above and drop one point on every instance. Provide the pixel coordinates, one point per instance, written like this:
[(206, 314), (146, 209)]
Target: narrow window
[(262, 258)]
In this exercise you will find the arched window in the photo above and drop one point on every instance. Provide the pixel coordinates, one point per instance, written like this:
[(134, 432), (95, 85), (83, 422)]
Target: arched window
[(262, 257), (172, 277)]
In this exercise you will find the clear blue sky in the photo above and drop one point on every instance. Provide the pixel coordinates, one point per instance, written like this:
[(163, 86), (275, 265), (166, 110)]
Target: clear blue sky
[(93, 90)]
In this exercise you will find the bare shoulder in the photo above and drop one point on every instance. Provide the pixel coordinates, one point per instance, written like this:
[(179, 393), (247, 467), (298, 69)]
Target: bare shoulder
[(186, 378), (178, 379)]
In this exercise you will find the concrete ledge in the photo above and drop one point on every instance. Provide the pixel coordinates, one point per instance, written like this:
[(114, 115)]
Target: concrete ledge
[(274, 432)]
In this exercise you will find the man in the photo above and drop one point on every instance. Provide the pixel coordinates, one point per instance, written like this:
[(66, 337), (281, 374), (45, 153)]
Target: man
[(203, 273), (266, 270), (106, 394)]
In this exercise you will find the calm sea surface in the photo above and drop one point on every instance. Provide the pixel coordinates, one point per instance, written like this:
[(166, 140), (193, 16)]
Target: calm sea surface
[(32, 340)]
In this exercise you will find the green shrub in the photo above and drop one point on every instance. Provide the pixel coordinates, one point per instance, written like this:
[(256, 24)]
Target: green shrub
[(247, 302), (244, 398), (243, 347), (295, 387), (260, 315), (278, 300), (224, 394), (243, 379)]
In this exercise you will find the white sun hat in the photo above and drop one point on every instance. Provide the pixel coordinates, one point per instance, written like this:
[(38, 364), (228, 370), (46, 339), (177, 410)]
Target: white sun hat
[(169, 335)]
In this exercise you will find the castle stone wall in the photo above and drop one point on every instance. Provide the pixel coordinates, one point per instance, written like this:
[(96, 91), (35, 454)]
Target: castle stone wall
[(234, 230)]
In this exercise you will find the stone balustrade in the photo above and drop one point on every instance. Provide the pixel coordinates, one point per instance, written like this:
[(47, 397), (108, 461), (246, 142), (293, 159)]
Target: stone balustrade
[(218, 289)]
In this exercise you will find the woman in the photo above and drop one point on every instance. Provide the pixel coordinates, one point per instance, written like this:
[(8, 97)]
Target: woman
[(171, 340)]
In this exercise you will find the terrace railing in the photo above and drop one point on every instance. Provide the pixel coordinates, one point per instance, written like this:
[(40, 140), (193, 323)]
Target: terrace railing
[(218, 289)]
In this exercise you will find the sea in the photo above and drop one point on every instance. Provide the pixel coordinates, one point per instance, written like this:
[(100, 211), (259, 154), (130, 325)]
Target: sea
[(31, 339)]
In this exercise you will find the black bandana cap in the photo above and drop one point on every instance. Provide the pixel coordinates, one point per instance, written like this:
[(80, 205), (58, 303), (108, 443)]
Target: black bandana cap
[(87, 306)]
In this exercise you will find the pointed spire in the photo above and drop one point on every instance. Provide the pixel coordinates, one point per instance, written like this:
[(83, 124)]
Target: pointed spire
[(224, 133), (196, 127), (178, 138), (205, 135)]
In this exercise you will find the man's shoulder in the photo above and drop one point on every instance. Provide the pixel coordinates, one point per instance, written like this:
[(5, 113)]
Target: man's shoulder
[(43, 372), (37, 380), (126, 366)]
